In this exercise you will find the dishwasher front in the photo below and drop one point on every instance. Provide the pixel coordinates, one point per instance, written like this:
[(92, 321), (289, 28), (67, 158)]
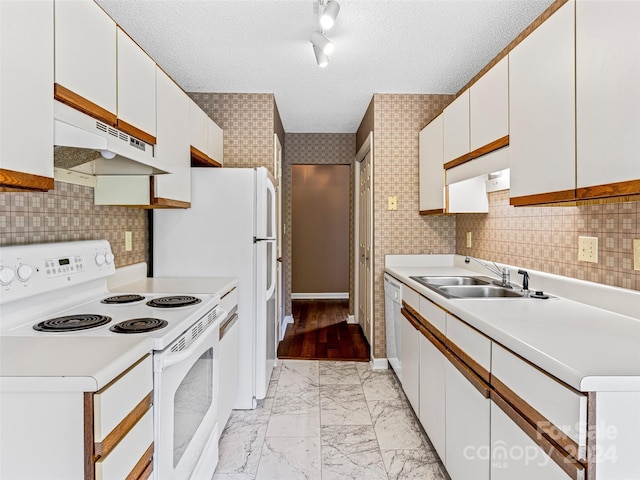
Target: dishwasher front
[(393, 317)]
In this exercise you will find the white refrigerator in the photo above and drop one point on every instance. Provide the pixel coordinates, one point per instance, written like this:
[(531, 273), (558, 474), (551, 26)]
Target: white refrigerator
[(230, 231)]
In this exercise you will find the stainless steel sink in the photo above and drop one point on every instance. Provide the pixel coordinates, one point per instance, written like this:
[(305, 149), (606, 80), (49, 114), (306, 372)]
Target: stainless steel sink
[(438, 281), (479, 291)]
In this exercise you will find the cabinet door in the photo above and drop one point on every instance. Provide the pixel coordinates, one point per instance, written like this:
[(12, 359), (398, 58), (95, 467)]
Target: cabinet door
[(172, 147), (432, 393), (136, 90), (515, 455), (489, 106), (85, 58), (456, 128), (431, 169), (468, 428), (542, 112), (607, 95), (26, 136), (198, 125), (215, 141), (410, 363)]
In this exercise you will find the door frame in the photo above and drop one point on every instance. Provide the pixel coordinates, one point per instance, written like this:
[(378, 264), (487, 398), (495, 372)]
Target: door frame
[(365, 149)]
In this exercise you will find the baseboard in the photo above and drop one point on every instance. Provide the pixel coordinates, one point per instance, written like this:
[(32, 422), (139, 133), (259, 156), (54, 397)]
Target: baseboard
[(283, 325), (352, 319), (379, 364), (319, 296)]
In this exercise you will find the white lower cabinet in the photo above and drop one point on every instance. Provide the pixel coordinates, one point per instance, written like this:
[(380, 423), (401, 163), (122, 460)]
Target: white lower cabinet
[(432, 393), (411, 363), (516, 456), (467, 428)]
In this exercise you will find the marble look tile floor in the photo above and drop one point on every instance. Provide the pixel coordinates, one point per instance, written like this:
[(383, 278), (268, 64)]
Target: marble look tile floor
[(324, 420)]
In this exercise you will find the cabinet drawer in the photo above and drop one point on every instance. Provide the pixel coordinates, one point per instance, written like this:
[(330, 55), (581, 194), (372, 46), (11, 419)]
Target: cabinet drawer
[(472, 347), (134, 450), (115, 402), (434, 315), (229, 300), (563, 407), (411, 298)]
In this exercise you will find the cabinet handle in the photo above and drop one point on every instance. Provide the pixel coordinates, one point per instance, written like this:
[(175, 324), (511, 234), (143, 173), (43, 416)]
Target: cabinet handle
[(565, 461)]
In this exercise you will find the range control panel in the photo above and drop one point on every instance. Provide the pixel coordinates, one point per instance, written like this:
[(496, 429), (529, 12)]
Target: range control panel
[(27, 270)]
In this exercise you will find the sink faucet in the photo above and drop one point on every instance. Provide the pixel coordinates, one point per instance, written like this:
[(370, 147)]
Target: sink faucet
[(503, 273)]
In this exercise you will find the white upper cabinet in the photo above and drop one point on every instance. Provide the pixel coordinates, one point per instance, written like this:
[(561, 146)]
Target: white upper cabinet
[(431, 169), (206, 138), (136, 90), (607, 94), (172, 147), (215, 141), (456, 128), (85, 58), (542, 111), (489, 106), (26, 94), (199, 128)]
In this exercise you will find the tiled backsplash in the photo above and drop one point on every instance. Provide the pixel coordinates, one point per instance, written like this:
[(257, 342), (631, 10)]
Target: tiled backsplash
[(67, 213), (546, 238)]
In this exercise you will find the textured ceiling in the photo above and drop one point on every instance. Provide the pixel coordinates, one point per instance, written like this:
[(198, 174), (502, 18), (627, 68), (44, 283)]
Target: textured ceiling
[(381, 46)]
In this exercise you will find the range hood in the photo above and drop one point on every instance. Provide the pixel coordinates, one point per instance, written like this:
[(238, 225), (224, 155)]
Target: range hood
[(86, 145)]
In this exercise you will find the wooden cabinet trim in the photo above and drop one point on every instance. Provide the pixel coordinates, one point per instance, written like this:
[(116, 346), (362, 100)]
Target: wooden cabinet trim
[(68, 97), (537, 421), (478, 152), (542, 198), (89, 437), (412, 320), (436, 211), (200, 159), (591, 452), (473, 378), (103, 448), (143, 468), (631, 187), (565, 461), (135, 132), (159, 202), (17, 181), (478, 369), (140, 360)]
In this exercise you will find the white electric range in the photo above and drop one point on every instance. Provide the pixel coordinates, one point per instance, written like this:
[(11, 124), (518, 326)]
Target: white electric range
[(60, 290)]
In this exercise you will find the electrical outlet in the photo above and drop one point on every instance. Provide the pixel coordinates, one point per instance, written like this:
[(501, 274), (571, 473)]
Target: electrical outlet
[(393, 203), (588, 249), (469, 243), (636, 253), (128, 241)]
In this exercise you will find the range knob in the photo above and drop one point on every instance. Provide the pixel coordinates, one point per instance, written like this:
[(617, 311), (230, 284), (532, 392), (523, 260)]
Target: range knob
[(6, 275), (100, 259), (24, 272), (109, 258)]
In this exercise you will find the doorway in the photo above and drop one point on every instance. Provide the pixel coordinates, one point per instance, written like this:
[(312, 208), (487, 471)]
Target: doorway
[(320, 197)]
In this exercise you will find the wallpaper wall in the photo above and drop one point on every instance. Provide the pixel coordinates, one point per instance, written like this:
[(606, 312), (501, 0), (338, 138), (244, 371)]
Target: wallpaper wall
[(315, 149), (546, 238), (67, 213), (397, 121)]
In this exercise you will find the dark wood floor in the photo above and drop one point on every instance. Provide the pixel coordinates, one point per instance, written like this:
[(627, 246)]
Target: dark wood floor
[(320, 332)]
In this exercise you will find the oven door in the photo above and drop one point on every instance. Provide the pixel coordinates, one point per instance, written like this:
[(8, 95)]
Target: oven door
[(186, 405)]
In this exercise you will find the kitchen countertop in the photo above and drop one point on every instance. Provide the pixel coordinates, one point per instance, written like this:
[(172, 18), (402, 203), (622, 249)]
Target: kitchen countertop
[(82, 364), (133, 279), (588, 348)]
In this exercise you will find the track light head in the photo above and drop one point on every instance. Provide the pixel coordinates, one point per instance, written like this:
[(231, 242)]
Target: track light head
[(329, 15), (322, 42), (321, 58)]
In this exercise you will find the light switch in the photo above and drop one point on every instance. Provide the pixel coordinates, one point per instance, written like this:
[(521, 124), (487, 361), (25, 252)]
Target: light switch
[(128, 241), (469, 243), (636, 253), (393, 203)]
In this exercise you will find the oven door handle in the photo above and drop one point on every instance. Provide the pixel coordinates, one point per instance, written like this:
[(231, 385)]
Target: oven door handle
[(173, 358)]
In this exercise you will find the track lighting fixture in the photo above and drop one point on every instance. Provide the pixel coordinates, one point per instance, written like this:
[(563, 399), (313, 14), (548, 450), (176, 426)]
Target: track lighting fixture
[(322, 47), (322, 42), (329, 15), (321, 58)]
